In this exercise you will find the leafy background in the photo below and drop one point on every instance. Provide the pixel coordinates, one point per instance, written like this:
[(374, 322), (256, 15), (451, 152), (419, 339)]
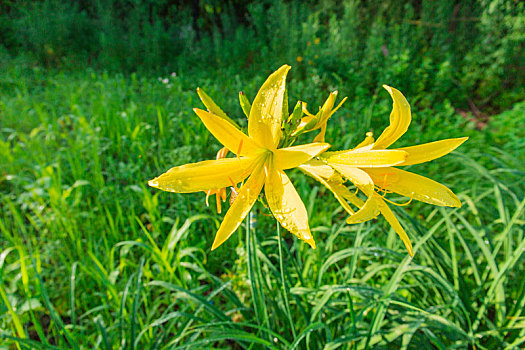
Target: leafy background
[(96, 98)]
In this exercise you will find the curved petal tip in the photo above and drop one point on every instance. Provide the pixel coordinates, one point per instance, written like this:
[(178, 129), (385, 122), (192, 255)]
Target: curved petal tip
[(311, 242), (153, 183)]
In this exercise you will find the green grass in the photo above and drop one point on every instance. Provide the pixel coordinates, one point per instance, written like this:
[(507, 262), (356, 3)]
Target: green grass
[(90, 257)]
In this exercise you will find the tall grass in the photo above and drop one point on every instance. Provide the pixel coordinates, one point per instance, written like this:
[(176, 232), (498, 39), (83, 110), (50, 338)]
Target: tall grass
[(92, 258)]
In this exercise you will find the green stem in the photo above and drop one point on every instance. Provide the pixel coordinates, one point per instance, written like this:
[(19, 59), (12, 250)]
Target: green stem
[(254, 272), (285, 294)]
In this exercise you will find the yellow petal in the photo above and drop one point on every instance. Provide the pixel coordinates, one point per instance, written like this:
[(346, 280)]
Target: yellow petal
[(245, 104), (325, 114), (327, 111), (369, 140), (356, 176), (335, 185), (343, 195), (213, 108), (291, 157), (399, 120), (227, 134), (414, 186), (305, 111), (328, 105), (202, 176), (432, 150), (339, 105), (320, 137), (247, 196), (365, 159), (264, 124), (287, 206), (369, 211), (317, 168), (392, 220), (364, 182)]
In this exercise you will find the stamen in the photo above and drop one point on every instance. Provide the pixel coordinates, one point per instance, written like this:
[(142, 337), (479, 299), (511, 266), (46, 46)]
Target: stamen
[(383, 187), (385, 179), (239, 149), (223, 152), (235, 191), (223, 194), (218, 197), (384, 190), (233, 196), (208, 193), (400, 204)]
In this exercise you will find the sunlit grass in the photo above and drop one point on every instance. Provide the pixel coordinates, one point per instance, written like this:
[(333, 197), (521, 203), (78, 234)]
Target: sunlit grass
[(92, 258)]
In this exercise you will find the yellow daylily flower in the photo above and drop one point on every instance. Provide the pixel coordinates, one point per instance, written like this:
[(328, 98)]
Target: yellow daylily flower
[(377, 175), (258, 160)]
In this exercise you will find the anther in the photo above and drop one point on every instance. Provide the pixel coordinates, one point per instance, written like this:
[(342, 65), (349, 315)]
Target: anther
[(240, 148)]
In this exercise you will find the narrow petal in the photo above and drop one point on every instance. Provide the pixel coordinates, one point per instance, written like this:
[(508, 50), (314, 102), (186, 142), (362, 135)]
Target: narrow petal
[(339, 105), (369, 211), (245, 104), (320, 137), (430, 151), (287, 206), (318, 168), (356, 176), (325, 114), (365, 159), (328, 111), (264, 124), (291, 157), (399, 120), (202, 176), (227, 134), (241, 206), (364, 182), (392, 220), (328, 105), (413, 186), (335, 185), (369, 140), (213, 107)]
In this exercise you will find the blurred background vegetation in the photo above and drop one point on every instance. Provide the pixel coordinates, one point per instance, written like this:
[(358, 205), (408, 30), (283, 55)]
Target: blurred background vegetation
[(96, 98), (464, 51)]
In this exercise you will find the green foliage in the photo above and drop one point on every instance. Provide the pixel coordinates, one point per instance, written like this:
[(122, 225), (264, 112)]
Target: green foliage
[(92, 258), (458, 50)]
